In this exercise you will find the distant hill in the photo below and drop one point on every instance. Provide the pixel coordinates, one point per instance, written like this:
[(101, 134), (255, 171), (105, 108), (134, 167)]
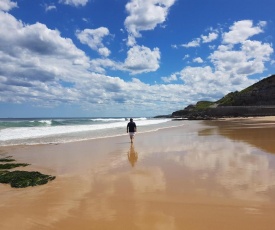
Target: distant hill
[(260, 93), (255, 100)]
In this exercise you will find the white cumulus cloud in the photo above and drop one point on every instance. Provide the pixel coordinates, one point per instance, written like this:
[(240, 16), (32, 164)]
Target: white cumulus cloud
[(141, 59), (194, 43), (74, 2), (198, 60), (7, 5), (241, 31), (247, 60), (145, 15), (173, 77), (93, 38), (50, 7), (210, 37)]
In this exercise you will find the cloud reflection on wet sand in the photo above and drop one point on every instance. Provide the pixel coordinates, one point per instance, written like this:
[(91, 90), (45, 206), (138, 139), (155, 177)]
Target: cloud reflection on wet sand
[(180, 175)]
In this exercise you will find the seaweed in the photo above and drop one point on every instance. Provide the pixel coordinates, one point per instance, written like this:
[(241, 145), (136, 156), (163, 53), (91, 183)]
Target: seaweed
[(12, 165), (6, 159), (22, 179), (2, 172)]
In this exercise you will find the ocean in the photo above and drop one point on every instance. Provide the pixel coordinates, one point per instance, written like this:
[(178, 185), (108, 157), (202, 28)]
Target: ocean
[(32, 131)]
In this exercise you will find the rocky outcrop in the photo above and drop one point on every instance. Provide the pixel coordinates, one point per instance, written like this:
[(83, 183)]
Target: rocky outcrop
[(255, 100), (226, 111)]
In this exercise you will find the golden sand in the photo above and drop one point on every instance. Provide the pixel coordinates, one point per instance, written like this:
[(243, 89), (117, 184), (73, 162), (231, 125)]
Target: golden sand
[(214, 175)]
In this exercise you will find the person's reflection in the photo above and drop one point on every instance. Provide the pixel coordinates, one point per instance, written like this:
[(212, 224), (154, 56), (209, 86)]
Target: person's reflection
[(132, 155)]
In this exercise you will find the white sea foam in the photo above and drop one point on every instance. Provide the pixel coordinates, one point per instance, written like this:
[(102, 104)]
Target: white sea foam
[(19, 133), (48, 122), (108, 119), (117, 119)]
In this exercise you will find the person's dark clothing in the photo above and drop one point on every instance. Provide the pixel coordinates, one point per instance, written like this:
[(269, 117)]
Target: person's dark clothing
[(131, 126)]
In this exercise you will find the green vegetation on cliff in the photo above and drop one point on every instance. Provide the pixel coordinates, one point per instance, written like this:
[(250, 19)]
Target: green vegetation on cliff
[(229, 99), (261, 93), (204, 104)]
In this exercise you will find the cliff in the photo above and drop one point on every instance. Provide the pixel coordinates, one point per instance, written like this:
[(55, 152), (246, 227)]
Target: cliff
[(255, 100), (261, 93)]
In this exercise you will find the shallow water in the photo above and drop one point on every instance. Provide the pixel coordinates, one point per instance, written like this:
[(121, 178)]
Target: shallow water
[(202, 175), (32, 131)]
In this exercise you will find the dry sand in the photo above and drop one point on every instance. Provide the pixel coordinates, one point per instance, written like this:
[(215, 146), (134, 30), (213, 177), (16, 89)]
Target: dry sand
[(214, 175)]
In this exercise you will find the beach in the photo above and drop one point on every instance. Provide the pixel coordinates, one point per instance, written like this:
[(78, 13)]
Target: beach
[(196, 175)]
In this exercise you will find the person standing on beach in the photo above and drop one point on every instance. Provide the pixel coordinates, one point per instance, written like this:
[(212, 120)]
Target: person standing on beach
[(131, 129)]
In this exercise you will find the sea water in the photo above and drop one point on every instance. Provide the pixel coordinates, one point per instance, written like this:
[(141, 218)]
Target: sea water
[(30, 131)]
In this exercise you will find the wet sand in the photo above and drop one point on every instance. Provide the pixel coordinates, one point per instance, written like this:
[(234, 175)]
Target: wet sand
[(202, 175)]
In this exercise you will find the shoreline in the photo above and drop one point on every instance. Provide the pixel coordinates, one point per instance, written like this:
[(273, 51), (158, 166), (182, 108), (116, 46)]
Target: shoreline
[(90, 138), (23, 134)]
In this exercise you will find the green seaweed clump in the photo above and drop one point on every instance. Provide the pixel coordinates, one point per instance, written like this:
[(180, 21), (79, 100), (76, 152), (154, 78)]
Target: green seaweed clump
[(12, 165), (22, 179), (6, 159), (3, 172)]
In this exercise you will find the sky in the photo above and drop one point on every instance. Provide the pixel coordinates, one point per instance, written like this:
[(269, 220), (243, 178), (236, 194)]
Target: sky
[(120, 58)]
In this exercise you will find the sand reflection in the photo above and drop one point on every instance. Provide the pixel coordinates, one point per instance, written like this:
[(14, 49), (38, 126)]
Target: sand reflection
[(258, 132), (132, 155), (233, 169)]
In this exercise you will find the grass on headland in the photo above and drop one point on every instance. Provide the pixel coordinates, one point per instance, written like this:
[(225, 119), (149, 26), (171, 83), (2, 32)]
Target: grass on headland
[(21, 179)]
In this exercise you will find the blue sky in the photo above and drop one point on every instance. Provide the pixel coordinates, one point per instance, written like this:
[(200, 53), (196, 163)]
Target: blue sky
[(129, 57)]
